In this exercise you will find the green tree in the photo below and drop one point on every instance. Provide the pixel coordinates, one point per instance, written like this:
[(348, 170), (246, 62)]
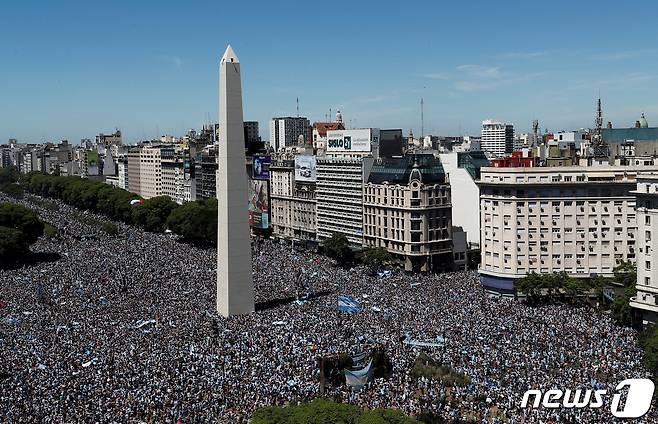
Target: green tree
[(153, 214), (50, 231), (338, 247), (19, 228), (12, 245), (625, 274), (8, 175), (110, 228), (620, 310), (326, 411), (530, 285), (375, 258), (195, 221), (22, 219), (13, 190), (574, 287), (649, 342)]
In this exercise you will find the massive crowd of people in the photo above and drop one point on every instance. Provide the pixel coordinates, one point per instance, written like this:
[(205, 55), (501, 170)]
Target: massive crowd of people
[(124, 329)]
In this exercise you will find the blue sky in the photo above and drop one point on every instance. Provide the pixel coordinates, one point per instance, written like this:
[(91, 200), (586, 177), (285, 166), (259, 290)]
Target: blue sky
[(71, 69)]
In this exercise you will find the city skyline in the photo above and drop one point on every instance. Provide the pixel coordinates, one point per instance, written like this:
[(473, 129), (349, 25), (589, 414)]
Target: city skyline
[(152, 71)]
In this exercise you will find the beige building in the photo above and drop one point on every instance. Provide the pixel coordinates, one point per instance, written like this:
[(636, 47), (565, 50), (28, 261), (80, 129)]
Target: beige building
[(646, 198), (133, 165), (293, 204), (150, 172), (407, 211), (158, 170), (580, 220), (173, 177)]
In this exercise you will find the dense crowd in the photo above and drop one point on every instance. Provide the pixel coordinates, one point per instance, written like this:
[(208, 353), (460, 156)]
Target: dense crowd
[(124, 329)]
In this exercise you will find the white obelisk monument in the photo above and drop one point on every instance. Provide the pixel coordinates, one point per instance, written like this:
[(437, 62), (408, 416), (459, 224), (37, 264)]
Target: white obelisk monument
[(235, 289)]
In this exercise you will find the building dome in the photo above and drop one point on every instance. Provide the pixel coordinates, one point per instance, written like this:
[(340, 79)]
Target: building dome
[(643, 121), (339, 116)]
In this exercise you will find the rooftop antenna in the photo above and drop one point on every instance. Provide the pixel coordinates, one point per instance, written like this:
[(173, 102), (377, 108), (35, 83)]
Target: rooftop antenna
[(329, 118), (422, 119), (298, 107)]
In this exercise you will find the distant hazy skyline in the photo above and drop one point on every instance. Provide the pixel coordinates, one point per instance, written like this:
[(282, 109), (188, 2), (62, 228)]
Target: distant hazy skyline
[(72, 69)]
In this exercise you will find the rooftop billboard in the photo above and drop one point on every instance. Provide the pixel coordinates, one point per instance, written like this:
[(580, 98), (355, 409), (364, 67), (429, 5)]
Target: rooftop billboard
[(305, 169), (356, 140)]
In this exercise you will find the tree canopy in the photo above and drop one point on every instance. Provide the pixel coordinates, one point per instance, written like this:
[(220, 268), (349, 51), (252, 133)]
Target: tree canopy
[(195, 221), (327, 411), (19, 228), (338, 247), (375, 257)]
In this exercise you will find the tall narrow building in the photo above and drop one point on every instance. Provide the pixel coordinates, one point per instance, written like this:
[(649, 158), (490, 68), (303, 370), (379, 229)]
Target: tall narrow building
[(235, 289)]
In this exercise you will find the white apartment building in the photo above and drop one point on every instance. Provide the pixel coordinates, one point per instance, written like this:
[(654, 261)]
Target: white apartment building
[(407, 211), (497, 138), (580, 220), (646, 198), (339, 196), (122, 170), (293, 205)]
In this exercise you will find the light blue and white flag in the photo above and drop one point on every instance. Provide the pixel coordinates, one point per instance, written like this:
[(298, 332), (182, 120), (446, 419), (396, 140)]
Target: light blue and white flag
[(356, 379), (348, 304)]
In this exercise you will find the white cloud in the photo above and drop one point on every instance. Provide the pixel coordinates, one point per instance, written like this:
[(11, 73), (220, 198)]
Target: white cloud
[(622, 55), (172, 60), (480, 71), (524, 55)]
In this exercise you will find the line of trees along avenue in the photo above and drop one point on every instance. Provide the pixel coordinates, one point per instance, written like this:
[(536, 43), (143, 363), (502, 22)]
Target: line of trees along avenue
[(195, 221)]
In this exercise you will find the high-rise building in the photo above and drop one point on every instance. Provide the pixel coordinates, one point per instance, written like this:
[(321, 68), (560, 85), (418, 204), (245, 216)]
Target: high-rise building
[(391, 143), (286, 132), (339, 196), (252, 140), (235, 289), (646, 202), (497, 138), (172, 172), (580, 220), (205, 173), (407, 211)]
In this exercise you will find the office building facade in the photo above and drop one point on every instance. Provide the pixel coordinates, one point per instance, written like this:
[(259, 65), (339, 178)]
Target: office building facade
[(286, 132)]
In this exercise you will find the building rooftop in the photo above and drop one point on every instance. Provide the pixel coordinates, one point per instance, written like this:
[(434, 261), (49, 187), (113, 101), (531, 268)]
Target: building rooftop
[(398, 170), (623, 134), (323, 127)]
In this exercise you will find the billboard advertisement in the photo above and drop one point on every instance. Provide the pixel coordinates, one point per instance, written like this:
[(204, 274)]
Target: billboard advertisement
[(358, 140), (305, 168), (259, 204), (261, 167)]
